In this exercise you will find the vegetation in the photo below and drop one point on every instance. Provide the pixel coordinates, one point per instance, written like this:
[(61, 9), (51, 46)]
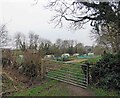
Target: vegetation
[(104, 17), (103, 92), (46, 47), (32, 65), (55, 88), (9, 85), (105, 73), (4, 39), (50, 88), (93, 60), (96, 12)]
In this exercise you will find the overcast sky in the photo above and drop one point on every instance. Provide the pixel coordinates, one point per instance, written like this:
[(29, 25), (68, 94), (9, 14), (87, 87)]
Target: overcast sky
[(21, 15)]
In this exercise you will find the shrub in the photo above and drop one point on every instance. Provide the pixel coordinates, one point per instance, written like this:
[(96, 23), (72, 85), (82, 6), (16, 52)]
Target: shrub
[(30, 71), (5, 62), (105, 73), (32, 64)]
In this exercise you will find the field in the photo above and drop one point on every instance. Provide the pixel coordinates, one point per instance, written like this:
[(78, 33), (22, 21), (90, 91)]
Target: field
[(56, 88), (51, 87)]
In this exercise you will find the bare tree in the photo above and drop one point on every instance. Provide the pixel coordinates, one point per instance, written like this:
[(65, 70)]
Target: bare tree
[(33, 40), (79, 48), (79, 12), (108, 36), (99, 49), (20, 41), (44, 45), (3, 36), (58, 43), (96, 12)]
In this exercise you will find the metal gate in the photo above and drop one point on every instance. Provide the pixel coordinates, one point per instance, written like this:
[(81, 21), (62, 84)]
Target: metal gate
[(77, 75)]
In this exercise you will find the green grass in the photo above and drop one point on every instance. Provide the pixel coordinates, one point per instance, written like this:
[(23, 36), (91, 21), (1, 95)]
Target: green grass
[(103, 92), (72, 72), (36, 90), (94, 60), (50, 88), (55, 88)]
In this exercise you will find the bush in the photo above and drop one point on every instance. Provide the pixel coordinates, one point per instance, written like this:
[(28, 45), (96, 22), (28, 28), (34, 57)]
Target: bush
[(105, 73), (32, 64), (5, 62), (30, 70)]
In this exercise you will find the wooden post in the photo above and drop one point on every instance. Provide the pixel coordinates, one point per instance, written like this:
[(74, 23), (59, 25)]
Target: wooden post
[(42, 71)]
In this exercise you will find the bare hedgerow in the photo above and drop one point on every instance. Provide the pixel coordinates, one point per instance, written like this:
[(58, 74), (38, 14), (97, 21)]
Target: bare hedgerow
[(32, 63)]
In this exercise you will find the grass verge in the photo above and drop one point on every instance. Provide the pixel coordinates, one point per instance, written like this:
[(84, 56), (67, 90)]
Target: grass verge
[(50, 88), (103, 92)]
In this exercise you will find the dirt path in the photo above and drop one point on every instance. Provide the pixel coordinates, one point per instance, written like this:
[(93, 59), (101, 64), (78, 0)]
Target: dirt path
[(76, 61), (78, 91)]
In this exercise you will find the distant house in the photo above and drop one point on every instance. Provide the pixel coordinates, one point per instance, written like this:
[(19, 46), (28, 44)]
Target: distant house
[(76, 54), (49, 57), (90, 54), (84, 54), (65, 55)]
